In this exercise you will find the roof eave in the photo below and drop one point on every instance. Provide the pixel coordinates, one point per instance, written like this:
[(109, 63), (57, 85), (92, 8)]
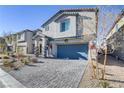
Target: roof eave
[(70, 10), (116, 21)]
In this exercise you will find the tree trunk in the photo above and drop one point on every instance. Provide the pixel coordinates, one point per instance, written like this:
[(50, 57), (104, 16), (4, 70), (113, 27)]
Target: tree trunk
[(105, 61)]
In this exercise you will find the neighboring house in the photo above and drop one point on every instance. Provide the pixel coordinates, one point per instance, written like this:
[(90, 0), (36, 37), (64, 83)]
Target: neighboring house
[(119, 22), (24, 41), (69, 33), (3, 45), (115, 37), (65, 35), (20, 42)]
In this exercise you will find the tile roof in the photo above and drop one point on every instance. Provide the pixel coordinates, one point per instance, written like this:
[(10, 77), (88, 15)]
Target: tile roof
[(117, 20), (70, 11)]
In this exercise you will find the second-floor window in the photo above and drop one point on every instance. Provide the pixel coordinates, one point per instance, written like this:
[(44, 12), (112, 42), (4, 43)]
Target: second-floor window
[(64, 25), (47, 28), (14, 38), (9, 39), (21, 36)]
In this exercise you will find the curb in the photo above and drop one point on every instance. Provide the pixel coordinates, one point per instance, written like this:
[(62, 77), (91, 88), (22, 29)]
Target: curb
[(8, 81)]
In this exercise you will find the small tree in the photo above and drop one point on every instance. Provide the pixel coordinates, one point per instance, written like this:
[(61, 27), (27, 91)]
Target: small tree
[(2, 45), (105, 19), (14, 41), (7, 39), (107, 16)]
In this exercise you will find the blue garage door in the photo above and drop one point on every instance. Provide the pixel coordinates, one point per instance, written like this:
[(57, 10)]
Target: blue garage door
[(73, 51)]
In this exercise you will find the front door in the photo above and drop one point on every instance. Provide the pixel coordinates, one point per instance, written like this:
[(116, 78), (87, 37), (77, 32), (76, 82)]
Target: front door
[(40, 49)]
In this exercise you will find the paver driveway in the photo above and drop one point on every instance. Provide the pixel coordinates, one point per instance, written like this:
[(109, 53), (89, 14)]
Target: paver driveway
[(51, 73)]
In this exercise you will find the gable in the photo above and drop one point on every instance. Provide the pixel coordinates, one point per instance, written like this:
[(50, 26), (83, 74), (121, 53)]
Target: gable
[(69, 12)]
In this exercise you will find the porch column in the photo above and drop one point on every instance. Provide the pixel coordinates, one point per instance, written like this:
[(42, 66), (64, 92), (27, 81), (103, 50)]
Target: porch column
[(44, 41), (54, 50)]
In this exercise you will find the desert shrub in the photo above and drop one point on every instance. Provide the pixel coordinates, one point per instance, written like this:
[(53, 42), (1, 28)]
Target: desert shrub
[(21, 56), (5, 57), (6, 63), (22, 60), (104, 84), (14, 56), (16, 68), (13, 61), (25, 61), (12, 65)]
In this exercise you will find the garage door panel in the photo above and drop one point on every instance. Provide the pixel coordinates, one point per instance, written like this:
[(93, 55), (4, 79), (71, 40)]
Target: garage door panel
[(73, 51)]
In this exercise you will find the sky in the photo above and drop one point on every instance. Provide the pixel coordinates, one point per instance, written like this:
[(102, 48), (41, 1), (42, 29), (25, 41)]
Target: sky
[(17, 18)]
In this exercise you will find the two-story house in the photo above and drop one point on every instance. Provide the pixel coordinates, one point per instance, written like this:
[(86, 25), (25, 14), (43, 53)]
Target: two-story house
[(3, 46), (20, 42), (70, 31), (24, 41), (115, 37)]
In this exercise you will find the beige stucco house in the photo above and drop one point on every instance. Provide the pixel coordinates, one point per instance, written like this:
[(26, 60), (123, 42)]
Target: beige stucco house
[(3, 45), (20, 42), (70, 31), (115, 37), (65, 35)]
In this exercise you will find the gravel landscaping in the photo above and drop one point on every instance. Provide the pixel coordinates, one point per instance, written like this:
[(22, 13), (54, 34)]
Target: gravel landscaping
[(51, 73), (114, 75)]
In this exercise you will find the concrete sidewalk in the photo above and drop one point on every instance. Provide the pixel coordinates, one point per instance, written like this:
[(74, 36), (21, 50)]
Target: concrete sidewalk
[(7, 81)]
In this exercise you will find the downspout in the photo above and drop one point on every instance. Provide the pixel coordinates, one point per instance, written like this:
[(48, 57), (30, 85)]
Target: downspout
[(97, 11), (97, 72), (77, 26)]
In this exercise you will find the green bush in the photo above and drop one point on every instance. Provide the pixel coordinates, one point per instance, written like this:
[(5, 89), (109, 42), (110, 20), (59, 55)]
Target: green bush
[(5, 57), (104, 84), (6, 63), (14, 56), (21, 56), (25, 61)]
